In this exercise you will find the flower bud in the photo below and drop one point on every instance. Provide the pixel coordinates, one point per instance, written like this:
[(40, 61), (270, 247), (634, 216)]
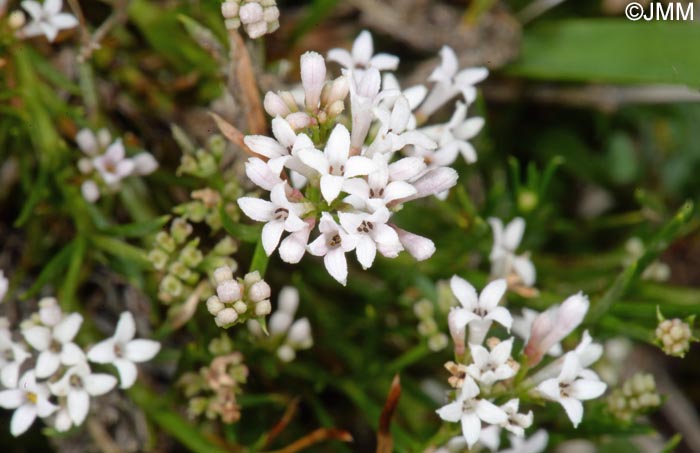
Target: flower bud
[(313, 77), (191, 256), (256, 29), (298, 120), (171, 286), (299, 335), (286, 353), (259, 291), (335, 109), (251, 278), (457, 332), (229, 291), (275, 106), (674, 337), (90, 191), (437, 342), (263, 308), (225, 317), (250, 13), (144, 164), (164, 241), (418, 247), (240, 307), (214, 305), (16, 19), (229, 9), (180, 229), (423, 309), (222, 274), (338, 91), (85, 166), (226, 246)]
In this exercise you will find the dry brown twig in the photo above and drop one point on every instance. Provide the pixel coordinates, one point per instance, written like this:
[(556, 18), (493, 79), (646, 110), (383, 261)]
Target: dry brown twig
[(385, 443), (319, 435), (243, 85), (282, 423)]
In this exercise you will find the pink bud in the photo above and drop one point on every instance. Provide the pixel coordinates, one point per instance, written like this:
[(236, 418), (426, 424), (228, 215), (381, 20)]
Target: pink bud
[(313, 77), (433, 182), (456, 332), (421, 248), (250, 13), (298, 120), (275, 105)]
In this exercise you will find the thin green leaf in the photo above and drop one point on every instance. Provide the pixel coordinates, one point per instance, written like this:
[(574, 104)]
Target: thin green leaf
[(122, 250), (245, 233), (260, 259), (52, 269), (137, 229)]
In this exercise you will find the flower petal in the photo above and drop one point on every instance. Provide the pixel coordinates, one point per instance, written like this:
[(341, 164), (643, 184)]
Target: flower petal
[(22, 419), (78, 403), (464, 292), (67, 329), (573, 408), (491, 295), (141, 350), (102, 352), (271, 234), (127, 372), (587, 389), (46, 364), (257, 209), (126, 328), (331, 186), (38, 337), (99, 384), (11, 399), (471, 428), (451, 412), (336, 264), (490, 413)]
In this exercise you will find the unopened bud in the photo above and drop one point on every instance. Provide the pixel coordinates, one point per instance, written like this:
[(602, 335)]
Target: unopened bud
[(240, 307), (259, 291), (214, 305), (229, 291), (263, 308), (225, 317), (222, 274)]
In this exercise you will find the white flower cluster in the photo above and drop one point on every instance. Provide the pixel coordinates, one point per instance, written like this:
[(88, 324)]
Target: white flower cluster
[(364, 173), (516, 269), (238, 299), (565, 380), (47, 19), (287, 335), (258, 17), (60, 382), (106, 165)]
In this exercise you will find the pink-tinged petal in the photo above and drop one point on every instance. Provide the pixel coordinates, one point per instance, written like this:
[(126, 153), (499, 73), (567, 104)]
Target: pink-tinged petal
[(46, 364), (33, 8), (68, 328), (362, 48), (87, 142), (586, 389), (294, 223), (435, 181), (419, 247), (64, 21), (336, 264), (102, 352), (397, 190), (573, 408), (386, 236), (502, 316), (359, 166), (127, 372), (384, 62), (464, 292), (319, 247), (493, 292), (313, 77), (99, 384), (342, 57), (71, 354), (525, 270), (11, 399), (467, 151), (38, 337), (451, 412), (115, 152), (490, 413), (284, 133), (265, 146), (400, 115), (293, 247), (471, 428), (331, 186), (126, 328), (90, 191), (314, 159), (550, 389), (257, 209), (141, 350), (22, 419), (366, 251), (337, 148), (271, 235), (275, 105), (78, 403)]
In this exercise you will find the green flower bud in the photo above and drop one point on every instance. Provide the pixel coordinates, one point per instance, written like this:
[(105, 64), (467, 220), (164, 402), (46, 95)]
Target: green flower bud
[(171, 286), (180, 229), (164, 241), (158, 258)]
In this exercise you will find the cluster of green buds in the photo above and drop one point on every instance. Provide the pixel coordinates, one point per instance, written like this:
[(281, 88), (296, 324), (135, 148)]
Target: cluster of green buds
[(212, 391), (206, 203), (184, 264), (238, 299), (425, 310), (637, 396), (674, 336)]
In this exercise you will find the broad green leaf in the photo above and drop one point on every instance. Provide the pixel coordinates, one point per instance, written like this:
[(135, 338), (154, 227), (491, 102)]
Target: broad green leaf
[(611, 51)]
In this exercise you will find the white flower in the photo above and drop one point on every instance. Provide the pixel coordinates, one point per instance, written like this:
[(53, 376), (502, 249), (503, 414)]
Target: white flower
[(29, 400), (364, 96), (553, 325), (279, 214), (122, 350), (361, 57), (394, 133), (334, 164), (113, 166), (93, 144), (517, 423), (471, 411), (537, 443), (489, 367), (47, 19), (372, 234), (414, 95), (504, 261), (333, 243), (479, 312), (144, 164), (569, 390), (587, 352), (4, 284), (449, 82), (12, 356), (453, 137), (293, 247), (264, 174), (54, 342), (78, 384), (522, 326)]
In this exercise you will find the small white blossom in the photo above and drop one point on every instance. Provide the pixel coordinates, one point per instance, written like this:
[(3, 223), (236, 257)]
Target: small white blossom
[(479, 312), (122, 350), (29, 400), (569, 390), (47, 19), (517, 423), (362, 56), (471, 411), (537, 443), (394, 132), (78, 384), (113, 165), (54, 342), (506, 241), (372, 234), (489, 367), (12, 356), (452, 138), (333, 243)]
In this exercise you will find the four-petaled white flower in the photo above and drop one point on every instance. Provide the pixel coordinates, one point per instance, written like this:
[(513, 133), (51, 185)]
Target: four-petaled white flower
[(54, 342), (12, 356), (537, 443), (279, 214), (29, 400), (113, 165), (78, 384), (334, 164), (47, 19), (452, 138), (504, 261), (569, 390), (372, 234), (333, 243), (450, 81), (479, 312), (517, 422), (394, 132), (362, 57), (489, 367), (122, 350), (471, 411)]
